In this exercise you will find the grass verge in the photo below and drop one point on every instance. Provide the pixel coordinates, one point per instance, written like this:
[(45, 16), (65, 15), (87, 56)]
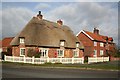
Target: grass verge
[(112, 65)]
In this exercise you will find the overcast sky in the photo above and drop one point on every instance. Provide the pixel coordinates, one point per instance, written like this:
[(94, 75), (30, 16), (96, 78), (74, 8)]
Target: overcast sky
[(77, 15)]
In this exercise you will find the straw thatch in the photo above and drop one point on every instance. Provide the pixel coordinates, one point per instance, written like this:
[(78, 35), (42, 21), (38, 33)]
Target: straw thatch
[(41, 32)]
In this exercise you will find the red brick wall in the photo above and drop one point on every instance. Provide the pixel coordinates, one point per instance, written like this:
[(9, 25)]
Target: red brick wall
[(68, 53), (88, 44), (114, 59), (4, 49), (52, 52), (81, 53), (15, 51), (98, 48)]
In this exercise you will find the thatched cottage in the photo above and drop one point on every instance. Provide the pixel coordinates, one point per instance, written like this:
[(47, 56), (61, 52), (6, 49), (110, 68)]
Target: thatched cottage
[(46, 39)]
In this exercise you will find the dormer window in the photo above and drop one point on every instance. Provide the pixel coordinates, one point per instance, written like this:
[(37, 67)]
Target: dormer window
[(22, 40), (62, 43), (77, 44)]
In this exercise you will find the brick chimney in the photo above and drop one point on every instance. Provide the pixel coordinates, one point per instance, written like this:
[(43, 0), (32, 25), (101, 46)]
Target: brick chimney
[(40, 16), (60, 22), (96, 31)]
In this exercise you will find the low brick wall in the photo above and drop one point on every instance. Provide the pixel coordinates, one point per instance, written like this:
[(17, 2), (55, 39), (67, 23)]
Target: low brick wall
[(114, 59)]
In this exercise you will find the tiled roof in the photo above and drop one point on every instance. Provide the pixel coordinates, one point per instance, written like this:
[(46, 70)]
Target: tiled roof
[(96, 37), (6, 41)]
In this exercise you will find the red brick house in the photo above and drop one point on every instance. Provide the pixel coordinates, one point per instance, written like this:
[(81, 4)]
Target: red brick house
[(6, 47), (95, 44), (49, 39)]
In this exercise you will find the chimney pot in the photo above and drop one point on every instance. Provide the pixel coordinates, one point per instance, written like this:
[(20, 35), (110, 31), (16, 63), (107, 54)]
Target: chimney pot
[(60, 22), (96, 31), (39, 12), (39, 15)]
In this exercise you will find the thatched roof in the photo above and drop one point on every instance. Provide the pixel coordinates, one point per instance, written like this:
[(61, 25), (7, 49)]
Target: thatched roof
[(41, 32)]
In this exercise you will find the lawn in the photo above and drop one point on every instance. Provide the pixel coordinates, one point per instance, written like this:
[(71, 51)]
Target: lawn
[(112, 65)]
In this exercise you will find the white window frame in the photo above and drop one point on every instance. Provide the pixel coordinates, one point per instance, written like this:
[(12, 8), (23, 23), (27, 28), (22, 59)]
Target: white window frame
[(95, 53), (101, 52), (22, 40), (75, 53), (95, 43), (44, 52), (58, 53), (21, 53), (62, 43), (77, 45), (101, 44)]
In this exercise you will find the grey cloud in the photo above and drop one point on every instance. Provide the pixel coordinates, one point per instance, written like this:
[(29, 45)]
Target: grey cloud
[(86, 16), (42, 6), (14, 19), (76, 15)]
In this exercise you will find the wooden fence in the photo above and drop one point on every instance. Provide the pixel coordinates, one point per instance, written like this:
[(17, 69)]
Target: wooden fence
[(97, 59), (34, 60)]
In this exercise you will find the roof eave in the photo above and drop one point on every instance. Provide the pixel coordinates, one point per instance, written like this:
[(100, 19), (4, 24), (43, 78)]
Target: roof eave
[(85, 34)]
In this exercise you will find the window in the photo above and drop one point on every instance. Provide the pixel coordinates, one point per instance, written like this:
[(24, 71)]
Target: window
[(75, 53), (62, 43), (22, 40), (77, 44), (44, 52), (95, 53), (95, 43), (101, 52), (60, 53), (101, 44), (22, 51)]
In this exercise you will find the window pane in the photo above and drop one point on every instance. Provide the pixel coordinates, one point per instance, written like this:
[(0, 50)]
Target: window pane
[(22, 51), (95, 43), (62, 43), (22, 40), (75, 53), (60, 53), (101, 52), (101, 44), (95, 52), (77, 44)]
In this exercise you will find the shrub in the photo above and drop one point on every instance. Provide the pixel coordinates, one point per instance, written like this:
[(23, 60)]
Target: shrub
[(30, 52), (37, 55), (86, 58), (58, 63), (33, 52)]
